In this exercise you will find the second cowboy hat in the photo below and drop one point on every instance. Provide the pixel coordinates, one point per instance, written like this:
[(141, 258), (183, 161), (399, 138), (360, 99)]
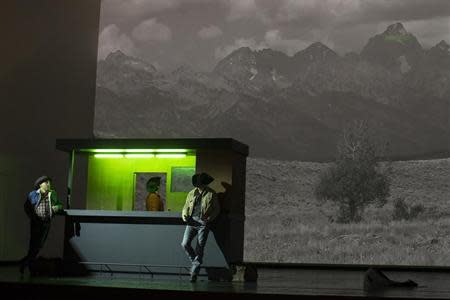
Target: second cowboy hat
[(201, 179)]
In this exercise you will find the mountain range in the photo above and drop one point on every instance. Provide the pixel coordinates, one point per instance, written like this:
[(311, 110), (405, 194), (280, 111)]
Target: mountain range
[(287, 107)]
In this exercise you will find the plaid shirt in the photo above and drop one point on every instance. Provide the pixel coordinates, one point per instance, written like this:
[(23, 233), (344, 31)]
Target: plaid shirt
[(43, 208)]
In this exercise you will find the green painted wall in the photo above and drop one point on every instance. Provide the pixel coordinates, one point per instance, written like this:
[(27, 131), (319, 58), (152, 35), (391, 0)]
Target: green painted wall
[(111, 181)]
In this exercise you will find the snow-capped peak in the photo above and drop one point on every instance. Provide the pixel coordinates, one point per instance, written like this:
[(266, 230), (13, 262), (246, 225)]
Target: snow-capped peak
[(396, 29)]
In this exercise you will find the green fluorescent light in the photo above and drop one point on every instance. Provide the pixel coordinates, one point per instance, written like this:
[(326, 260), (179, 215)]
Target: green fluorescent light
[(172, 150), (170, 155), (140, 150), (139, 155), (109, 150), (108, 155)]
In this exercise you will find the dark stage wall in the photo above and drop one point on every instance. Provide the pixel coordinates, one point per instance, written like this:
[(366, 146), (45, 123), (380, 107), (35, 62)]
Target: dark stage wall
[(47, 88)]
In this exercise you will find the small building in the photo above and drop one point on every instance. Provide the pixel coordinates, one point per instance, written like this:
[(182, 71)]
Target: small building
[(113, 230)]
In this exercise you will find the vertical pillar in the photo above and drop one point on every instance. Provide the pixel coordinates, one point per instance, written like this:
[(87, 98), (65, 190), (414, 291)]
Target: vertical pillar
[(70, 178)]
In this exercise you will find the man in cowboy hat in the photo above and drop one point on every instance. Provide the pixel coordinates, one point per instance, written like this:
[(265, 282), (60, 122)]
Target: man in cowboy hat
[(200, 209), (40, 206)]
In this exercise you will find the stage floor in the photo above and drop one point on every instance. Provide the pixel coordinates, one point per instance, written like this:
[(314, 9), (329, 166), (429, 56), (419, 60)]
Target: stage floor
[(272, 283)]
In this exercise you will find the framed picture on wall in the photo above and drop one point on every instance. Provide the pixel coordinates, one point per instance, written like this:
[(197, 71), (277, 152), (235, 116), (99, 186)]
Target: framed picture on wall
[(182, 179), (146, 183)]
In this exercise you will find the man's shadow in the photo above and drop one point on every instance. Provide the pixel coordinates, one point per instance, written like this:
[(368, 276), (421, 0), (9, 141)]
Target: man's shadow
[(221, 227)]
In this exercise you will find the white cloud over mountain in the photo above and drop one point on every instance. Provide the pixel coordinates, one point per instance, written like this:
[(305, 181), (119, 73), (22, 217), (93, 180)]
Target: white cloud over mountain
[(152, 31), (111, 39)]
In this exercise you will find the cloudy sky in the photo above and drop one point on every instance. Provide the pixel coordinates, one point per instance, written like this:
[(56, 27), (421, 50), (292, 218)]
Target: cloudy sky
[(169, 33)]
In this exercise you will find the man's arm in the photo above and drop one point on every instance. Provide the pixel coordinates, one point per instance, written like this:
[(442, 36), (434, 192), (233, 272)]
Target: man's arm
[(28, 207), (57, 205), (184, 212)]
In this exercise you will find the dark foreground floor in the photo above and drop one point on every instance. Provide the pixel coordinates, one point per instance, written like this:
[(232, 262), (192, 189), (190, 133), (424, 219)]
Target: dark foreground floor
[(273, 283)]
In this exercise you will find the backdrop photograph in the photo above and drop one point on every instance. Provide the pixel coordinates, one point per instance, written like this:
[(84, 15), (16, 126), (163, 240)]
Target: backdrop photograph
[(345, 106)]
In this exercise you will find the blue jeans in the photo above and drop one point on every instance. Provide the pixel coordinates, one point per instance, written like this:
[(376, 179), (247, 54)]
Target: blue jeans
[(196, 257)]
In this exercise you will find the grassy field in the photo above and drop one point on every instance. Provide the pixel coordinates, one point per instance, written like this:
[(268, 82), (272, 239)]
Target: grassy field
[(285, 223)]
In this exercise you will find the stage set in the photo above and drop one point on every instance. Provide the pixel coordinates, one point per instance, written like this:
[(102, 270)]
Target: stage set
[(115, 231), (113, 246)]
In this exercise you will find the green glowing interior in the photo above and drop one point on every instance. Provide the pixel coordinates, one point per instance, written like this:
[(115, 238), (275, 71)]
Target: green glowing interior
[(111, 180)]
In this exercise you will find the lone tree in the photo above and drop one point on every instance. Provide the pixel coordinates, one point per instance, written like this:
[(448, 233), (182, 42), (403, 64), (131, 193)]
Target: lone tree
[(356, 179)]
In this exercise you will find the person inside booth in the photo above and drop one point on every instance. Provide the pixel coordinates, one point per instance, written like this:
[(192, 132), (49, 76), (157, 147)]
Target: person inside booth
[(153, 201)]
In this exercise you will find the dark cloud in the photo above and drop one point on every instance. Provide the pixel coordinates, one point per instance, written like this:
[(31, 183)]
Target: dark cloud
[(324, 12)]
